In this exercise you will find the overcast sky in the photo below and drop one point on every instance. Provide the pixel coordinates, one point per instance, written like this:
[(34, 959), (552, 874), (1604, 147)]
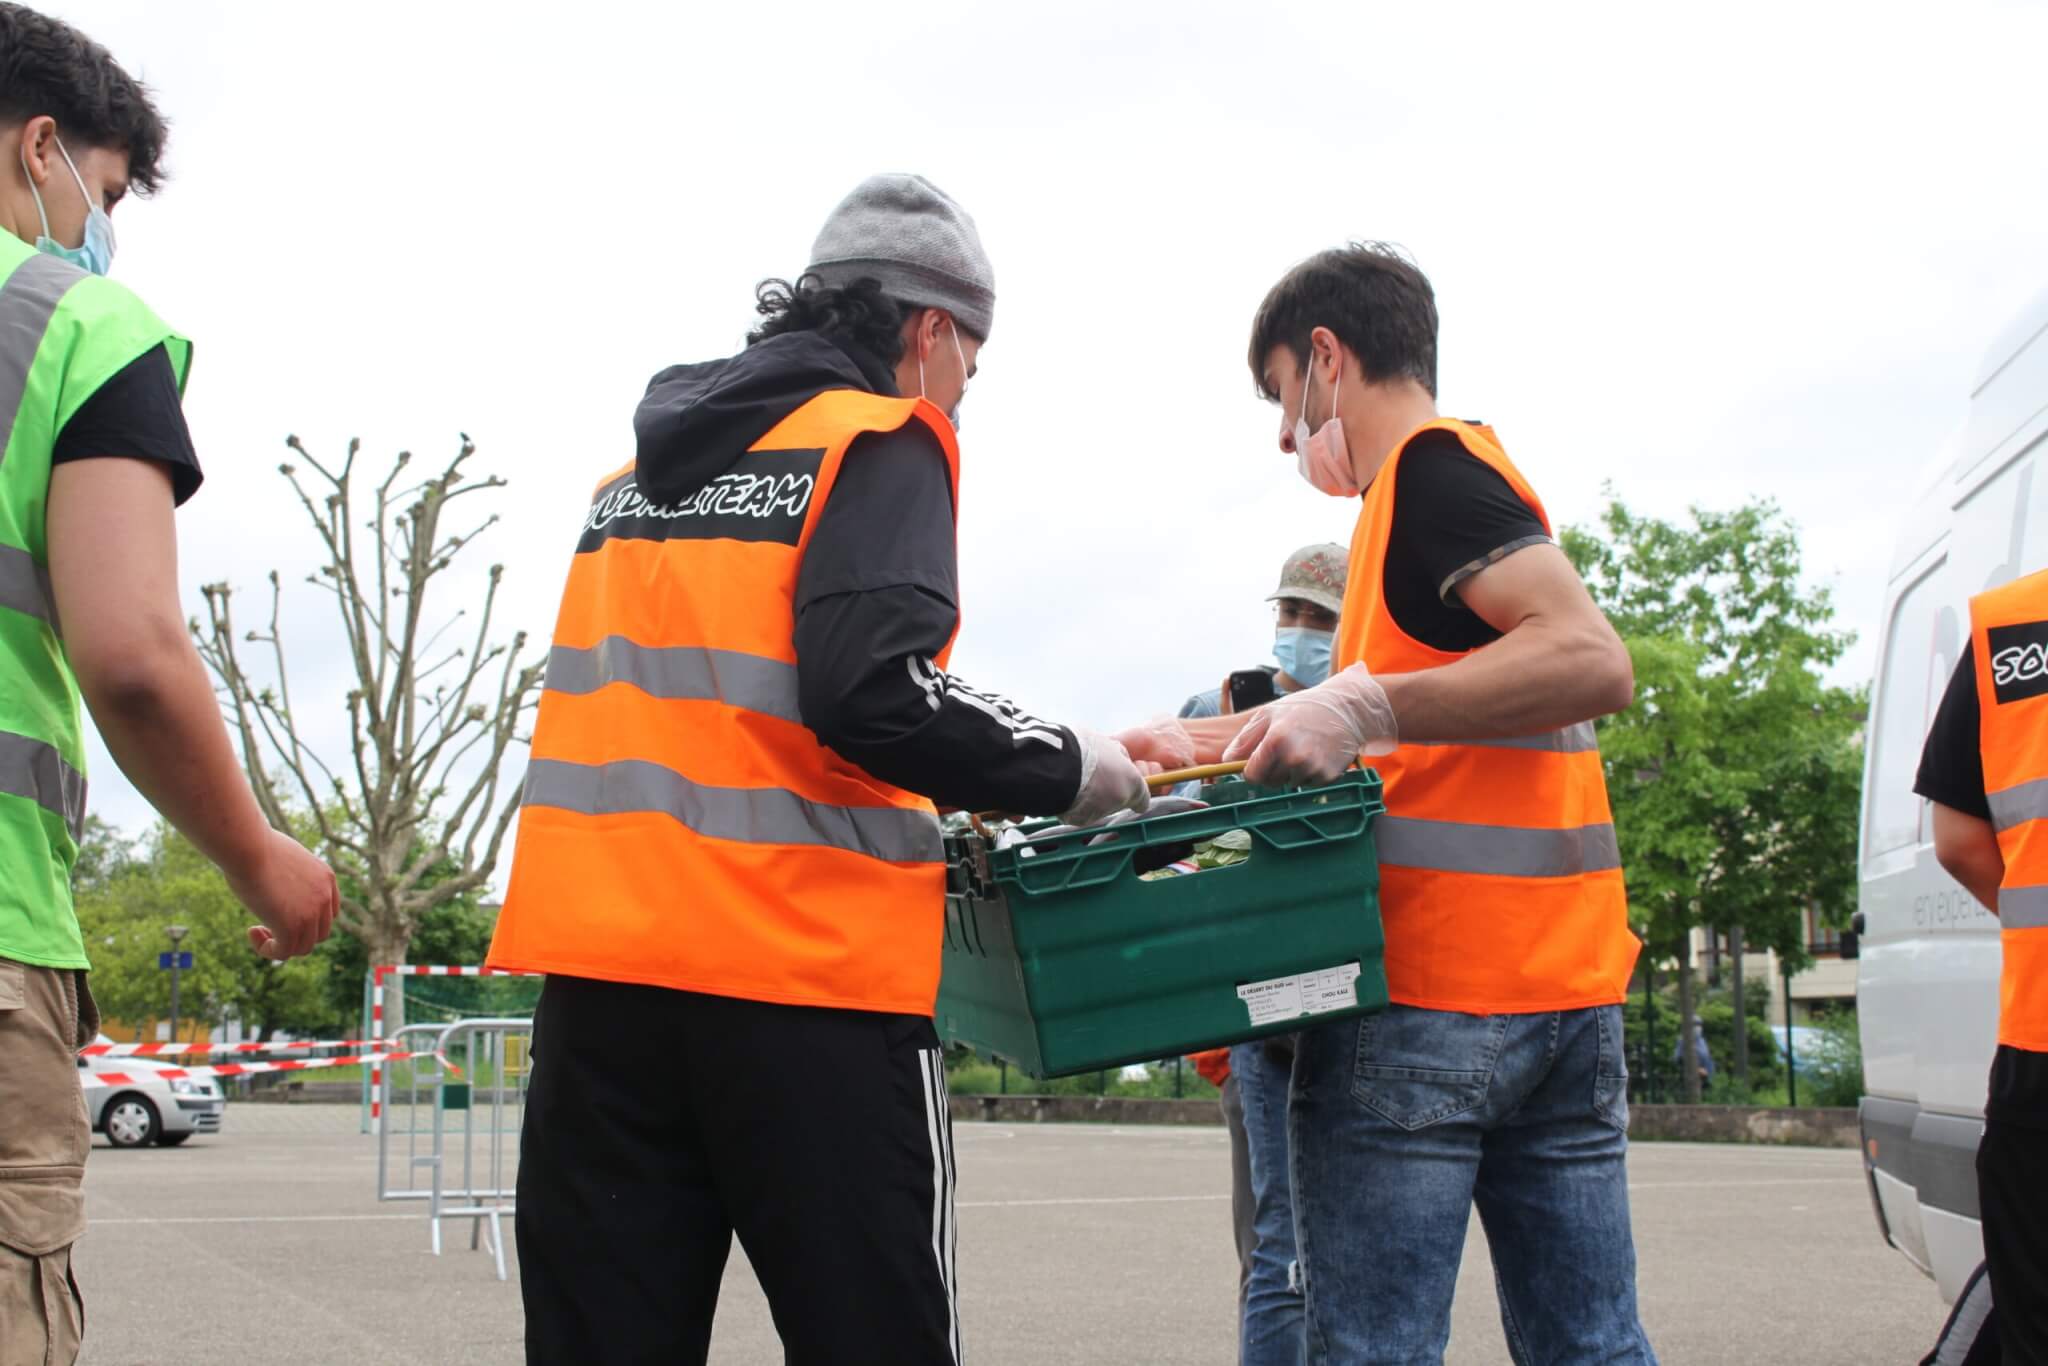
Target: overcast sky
[(1700, 253)]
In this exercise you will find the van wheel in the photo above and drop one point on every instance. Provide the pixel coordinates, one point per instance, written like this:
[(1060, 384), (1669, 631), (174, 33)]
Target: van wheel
[(131, 1122)]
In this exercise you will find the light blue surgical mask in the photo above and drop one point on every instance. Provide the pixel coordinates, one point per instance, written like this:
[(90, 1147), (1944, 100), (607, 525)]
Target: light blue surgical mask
[(96, 253), (1303, 655)]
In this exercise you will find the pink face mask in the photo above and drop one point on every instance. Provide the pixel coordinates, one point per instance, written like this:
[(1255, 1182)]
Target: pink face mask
[(1323, 459)]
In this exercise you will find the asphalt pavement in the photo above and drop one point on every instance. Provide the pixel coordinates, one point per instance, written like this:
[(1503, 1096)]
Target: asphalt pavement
[(1078, 1244)]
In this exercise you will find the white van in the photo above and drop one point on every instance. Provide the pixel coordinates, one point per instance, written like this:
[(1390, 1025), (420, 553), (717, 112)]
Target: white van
[(1927, 983)]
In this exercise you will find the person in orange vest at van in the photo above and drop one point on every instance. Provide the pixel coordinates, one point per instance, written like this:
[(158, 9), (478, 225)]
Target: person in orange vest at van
[(1472, 663), (729, 864), (1985, 769)]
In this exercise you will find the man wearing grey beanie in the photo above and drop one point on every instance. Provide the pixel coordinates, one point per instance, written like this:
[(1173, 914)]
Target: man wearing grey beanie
[(729, 864)]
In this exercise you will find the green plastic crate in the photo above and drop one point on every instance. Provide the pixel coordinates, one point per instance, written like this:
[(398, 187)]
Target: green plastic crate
[(1064, 960)]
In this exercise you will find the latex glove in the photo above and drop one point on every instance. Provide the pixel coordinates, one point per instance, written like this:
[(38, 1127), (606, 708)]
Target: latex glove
[(1110, 782), (1164, 742), (1312, 736)]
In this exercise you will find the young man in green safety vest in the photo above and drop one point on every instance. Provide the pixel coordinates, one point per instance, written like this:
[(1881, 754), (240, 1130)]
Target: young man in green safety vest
[(96, 457)]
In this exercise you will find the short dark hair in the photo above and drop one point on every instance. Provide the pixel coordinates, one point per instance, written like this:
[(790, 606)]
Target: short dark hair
[(1371, 296), (49, 67), (858, 313)]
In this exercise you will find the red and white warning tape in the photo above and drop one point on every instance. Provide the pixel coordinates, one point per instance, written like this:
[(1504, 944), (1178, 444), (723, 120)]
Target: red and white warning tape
[(377, 975), (158, 1050), (237, 1069)]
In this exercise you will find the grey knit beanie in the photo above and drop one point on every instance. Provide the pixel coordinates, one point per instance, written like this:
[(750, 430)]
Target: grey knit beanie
[(906, 234)]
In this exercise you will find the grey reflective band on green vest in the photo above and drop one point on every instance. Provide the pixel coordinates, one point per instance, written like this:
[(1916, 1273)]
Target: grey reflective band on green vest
[(2022, 908), (2020, 804), (1500, 850), (745, 815), (25, 585), (684, 672), (1579, 739), (28, 300), (32, 769)]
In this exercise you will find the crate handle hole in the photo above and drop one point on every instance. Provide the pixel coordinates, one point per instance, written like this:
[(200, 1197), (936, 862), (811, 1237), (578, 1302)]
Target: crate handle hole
[(1164, 862)]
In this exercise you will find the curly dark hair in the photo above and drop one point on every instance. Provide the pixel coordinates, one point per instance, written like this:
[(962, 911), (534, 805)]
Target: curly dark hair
[(858, 313), (1371, 296), (49, 67)]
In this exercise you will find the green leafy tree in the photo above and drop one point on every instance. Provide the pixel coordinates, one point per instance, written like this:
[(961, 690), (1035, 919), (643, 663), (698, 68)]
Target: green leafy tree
[(1734, 777), (126, 900)]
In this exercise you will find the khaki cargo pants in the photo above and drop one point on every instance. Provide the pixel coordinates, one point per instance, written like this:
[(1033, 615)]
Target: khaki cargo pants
[(46, 1016)]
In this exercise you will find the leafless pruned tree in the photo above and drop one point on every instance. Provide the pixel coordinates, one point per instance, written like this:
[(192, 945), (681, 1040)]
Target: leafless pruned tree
[(416, 815)]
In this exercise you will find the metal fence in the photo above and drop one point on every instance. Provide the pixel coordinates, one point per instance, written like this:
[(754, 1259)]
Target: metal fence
[(456, 1116)]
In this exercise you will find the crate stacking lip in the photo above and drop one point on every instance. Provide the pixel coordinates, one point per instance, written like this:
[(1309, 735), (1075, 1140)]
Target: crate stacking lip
[(1060, 957)]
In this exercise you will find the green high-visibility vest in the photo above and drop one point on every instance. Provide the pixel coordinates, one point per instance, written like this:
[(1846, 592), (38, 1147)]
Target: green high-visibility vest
[(63, 333)]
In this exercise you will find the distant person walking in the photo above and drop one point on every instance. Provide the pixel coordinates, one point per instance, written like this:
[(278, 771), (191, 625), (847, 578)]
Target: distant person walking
[(96, 457)]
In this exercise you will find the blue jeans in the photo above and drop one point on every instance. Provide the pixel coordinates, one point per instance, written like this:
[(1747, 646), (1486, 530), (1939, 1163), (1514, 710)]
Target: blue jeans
[(1403, 1121), (1271, 1329)]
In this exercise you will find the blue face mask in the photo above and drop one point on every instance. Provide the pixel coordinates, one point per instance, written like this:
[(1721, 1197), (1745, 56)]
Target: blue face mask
[(96, 253), (1303, 655)]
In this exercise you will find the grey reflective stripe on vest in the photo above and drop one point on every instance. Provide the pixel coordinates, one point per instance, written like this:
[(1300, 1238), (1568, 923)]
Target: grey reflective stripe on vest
[(25, 585), (1502, 850), (32, 769), (744, 815), (1579, 739), (687, 672), (28, 299), (2022, 908), (2018, 805)]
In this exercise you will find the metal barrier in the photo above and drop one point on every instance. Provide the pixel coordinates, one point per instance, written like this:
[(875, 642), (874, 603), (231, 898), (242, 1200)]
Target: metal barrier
[(479, 1072)]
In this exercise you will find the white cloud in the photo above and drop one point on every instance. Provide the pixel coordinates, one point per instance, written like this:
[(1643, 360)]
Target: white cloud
[(1701, 254)]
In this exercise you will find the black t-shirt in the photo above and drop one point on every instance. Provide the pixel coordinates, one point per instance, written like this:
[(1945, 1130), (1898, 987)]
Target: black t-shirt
[(135, 415), (1952, 761), (1453, 516), (1952, 773)]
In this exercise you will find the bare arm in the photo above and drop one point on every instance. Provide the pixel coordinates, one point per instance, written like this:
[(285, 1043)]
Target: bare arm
[(1557, 663), (114, 572), (1967, 847)]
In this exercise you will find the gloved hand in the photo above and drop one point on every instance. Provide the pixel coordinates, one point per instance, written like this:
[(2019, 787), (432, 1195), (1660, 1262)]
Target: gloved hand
[(1164, 742), (1110, 782), (1312, 736)]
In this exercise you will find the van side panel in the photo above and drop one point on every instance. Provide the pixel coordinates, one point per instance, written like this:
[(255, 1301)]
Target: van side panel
[(1928, 976)]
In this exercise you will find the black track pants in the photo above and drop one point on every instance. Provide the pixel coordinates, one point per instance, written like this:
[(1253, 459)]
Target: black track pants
[(660, 1123), (2012, 1192)]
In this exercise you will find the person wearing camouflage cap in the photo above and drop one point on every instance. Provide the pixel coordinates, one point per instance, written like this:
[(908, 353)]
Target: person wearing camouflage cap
[(1308, 603), (1253, 1076)]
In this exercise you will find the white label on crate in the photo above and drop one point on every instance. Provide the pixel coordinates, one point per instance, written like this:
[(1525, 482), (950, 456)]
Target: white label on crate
[(1310, 993)]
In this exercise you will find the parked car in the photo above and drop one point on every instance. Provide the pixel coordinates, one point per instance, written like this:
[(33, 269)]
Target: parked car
[(146, 1107)]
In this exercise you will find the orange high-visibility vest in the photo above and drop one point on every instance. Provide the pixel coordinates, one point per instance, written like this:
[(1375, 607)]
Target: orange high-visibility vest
[(680, 826), (1500, 879), (1213, 1064), (2009, 641)]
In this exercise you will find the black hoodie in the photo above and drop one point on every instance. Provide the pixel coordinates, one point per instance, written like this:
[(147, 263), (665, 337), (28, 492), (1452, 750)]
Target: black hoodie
[(877, 594)]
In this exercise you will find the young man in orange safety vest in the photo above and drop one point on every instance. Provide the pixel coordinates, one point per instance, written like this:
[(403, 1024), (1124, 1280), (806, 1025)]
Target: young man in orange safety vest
[(729, 864), (1471, 663)]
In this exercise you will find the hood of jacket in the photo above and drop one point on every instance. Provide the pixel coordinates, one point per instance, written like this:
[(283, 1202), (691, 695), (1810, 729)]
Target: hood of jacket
[(696, 421)]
